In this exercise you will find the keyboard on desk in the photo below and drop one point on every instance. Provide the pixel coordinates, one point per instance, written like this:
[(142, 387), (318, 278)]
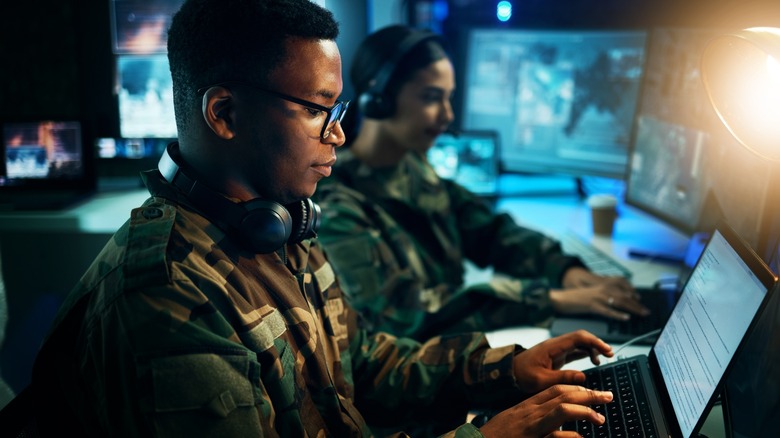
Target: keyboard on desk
[(629, 413), (595, 259)]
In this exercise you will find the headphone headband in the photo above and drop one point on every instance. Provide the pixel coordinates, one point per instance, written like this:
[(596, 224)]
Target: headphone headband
[(374, 102), (385, 72)]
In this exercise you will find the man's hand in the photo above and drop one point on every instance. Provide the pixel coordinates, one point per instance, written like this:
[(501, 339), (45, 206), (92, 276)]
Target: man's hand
[(539, 367), (544, 413), (586, 292)]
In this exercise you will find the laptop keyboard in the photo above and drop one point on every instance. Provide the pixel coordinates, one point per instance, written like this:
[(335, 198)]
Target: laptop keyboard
[(628, 415), (596, 260)]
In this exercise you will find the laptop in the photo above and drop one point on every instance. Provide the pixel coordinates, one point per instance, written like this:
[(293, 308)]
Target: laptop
[(44, 165), (470, 157), (751, 393), (670, 390), (660, 299)]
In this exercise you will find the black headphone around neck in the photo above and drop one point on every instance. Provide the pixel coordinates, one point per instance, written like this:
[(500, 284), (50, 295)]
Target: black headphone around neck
[(263, 226), (374, 102)]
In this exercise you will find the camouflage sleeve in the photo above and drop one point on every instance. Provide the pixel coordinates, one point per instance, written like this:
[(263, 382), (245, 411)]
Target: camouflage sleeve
[(369, 268), (377, 268), (515, 250), (497, 304), (177, 371), (436, 381)]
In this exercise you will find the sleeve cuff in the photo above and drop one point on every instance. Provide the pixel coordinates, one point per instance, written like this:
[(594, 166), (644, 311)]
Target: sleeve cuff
[(493, 375), (558, 265)]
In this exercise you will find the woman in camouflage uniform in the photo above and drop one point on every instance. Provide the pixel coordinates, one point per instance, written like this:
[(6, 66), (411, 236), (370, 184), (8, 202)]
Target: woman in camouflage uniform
[(400, 236)]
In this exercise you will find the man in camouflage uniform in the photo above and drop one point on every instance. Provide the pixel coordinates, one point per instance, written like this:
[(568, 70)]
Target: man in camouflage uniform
[(191, 323), (399, 235)]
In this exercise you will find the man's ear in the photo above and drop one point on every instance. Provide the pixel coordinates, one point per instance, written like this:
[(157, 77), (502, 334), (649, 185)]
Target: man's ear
[(218, 111)]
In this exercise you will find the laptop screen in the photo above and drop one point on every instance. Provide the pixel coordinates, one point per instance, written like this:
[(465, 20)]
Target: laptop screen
[(470, 158), (717, 306)]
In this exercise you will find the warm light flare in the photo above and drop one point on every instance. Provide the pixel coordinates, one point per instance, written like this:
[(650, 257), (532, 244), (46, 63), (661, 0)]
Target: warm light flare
[(742, 77)]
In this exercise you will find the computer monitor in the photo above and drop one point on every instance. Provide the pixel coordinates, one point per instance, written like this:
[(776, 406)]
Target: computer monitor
[(143, 79), (562, 101), (45, 164), (684, 167), (141, 26), (120, 161), (145, 96), (470, 158), (41, 151)]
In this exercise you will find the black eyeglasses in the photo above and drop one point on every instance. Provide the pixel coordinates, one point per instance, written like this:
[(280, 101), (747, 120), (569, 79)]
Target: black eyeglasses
[(334, 114)]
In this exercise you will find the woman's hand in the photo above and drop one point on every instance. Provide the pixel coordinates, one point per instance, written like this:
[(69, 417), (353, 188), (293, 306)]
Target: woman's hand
[(586, 292)]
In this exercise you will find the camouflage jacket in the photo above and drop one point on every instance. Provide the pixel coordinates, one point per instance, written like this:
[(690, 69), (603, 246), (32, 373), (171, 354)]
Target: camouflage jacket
[(176, 330), (399, 238)]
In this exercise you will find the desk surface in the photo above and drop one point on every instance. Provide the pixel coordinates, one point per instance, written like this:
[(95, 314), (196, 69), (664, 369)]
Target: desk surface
[(103, 212), (634, 230)]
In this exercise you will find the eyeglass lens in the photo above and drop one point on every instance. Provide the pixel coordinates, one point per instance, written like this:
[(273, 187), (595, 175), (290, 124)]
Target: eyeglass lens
[(336, 115)]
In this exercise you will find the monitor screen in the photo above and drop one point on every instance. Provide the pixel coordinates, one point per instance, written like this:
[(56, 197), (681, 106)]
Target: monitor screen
[(121, 160), (469, 158), (562, 101), (35, 153), (143, 79), (145, 96), (45, 164), (684, 167), (141, 26), (131, 148)]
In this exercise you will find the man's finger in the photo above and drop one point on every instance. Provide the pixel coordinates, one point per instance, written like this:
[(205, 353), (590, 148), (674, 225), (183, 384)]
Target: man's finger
[(573, 403)]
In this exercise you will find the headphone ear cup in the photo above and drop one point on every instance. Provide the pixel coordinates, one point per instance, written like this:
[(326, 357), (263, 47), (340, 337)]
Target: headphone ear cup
[(263, 226), (266, 226), (375, 105), (306, 216)]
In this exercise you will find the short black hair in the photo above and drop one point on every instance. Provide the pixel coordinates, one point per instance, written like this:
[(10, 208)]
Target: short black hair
[(211, 41)]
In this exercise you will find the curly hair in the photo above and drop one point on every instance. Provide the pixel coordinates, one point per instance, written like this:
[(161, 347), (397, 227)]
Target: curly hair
[(212, 41)]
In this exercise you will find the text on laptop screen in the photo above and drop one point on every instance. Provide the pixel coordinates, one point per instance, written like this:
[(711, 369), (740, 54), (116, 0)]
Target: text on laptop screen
[(715, 310), (41, 150)]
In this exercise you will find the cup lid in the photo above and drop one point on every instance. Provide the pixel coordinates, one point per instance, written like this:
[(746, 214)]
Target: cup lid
[(602, 200)]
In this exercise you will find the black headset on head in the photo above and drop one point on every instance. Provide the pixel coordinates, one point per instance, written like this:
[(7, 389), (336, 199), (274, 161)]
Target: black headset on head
[(262, 225), (374, 102)]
